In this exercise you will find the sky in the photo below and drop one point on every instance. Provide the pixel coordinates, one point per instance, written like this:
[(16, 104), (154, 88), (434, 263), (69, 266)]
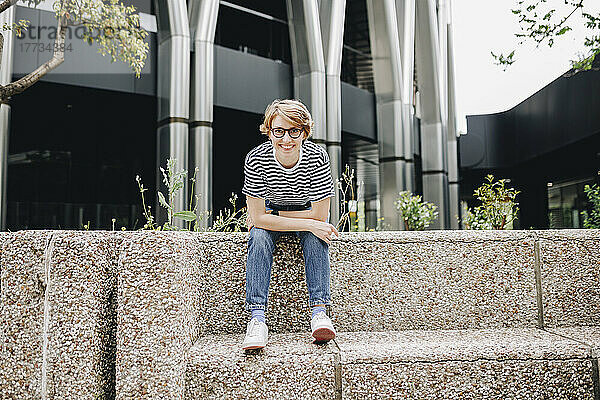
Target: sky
[(481, 26)]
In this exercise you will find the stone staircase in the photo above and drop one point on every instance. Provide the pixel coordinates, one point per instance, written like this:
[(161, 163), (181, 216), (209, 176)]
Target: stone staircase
[(420, 315)]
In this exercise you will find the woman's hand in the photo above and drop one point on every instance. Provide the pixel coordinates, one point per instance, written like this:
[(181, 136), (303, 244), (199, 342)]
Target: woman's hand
[(323, 230), (249, 223)]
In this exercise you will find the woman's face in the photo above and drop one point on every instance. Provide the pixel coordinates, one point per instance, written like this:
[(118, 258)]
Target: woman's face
[(285, 147)]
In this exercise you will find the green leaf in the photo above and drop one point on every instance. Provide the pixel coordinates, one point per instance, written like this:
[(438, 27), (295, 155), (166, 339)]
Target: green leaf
[(162, 201), (186, 215)]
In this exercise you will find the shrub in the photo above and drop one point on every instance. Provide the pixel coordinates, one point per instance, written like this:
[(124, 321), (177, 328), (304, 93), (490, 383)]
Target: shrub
[(498, 207), (592, 220), (416, 213), (228, 220)]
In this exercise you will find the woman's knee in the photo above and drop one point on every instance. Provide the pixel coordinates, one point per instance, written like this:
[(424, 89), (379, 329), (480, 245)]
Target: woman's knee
[(311, 240), (260, 238)]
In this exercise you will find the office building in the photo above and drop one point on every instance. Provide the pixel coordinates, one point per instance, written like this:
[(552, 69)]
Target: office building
[(377, 76)]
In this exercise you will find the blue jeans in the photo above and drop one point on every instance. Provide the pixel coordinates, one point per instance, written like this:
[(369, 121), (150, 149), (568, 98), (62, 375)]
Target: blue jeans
[(260, 259)]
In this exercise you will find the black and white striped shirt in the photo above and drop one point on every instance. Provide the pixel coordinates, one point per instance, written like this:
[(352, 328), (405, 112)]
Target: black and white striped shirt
[(307, 181)]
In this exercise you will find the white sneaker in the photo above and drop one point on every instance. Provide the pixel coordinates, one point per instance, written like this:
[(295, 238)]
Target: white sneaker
[(322, 328), (257, 335)]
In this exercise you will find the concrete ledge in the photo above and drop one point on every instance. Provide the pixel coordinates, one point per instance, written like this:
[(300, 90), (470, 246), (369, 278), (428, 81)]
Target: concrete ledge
[(570, 276), (58, 315), (289, 367), (588, 335), (155, 324), (23, 283), (433, 280), (457, 364), (63, 292), (82, 320), (175, 287), (486, 364)]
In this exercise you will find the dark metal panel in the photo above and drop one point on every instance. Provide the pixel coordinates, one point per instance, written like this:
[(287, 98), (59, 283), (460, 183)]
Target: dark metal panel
[(358, 112), (472, 147), (564, 112), (249, 83)]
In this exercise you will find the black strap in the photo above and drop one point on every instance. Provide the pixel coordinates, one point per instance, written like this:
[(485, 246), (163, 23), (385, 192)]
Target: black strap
[(287, 207)]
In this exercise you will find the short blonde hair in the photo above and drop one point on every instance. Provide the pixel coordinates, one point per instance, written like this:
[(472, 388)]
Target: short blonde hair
[(292, 110)]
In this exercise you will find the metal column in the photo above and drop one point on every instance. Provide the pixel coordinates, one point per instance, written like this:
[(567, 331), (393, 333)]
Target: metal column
[(405, 11), (203, 23), (433, 130), (6, 69), (387, 74), (332, 24), (173, 93), (308, 62), (453, 179)]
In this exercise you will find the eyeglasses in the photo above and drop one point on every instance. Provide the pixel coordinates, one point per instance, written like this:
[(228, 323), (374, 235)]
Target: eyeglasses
[(293, 132)]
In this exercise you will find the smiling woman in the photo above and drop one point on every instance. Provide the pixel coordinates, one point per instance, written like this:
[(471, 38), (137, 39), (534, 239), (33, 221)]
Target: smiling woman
[(288, 186)]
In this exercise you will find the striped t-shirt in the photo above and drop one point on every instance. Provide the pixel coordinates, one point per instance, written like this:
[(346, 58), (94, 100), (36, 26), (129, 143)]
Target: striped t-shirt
[(307, 181)]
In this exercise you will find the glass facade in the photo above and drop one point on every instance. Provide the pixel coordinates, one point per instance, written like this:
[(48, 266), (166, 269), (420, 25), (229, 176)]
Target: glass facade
[(566, 201), (254, 28), (356, 55), (74, 154)]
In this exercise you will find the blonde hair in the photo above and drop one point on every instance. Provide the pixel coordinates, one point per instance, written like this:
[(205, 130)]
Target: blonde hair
[(292, 110)]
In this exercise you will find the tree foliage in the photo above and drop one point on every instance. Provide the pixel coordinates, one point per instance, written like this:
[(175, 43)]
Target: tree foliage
[(498, 206), (541, 22), (114, 27), (591, 220), (416, 213)]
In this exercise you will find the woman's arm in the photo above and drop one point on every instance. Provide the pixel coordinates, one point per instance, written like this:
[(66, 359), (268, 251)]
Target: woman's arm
[(260, 219), (319, 211)]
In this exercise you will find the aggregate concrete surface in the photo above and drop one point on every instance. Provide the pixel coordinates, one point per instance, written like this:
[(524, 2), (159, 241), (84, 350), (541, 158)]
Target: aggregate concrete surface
[(433, 280), (132, 315), (22, 313), (464, 364), (289, 367), (570, 269)]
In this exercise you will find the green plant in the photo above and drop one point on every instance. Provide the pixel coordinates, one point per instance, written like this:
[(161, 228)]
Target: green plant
[(542, 21), (114, 27), (416, 213), (230, 220), (498, 207), (174, 180), (147, 210), (348, 200), (592, 220)]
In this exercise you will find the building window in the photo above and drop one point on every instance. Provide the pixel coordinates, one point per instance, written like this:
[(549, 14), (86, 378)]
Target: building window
[(254, 31), (357, 68), (566, 201)]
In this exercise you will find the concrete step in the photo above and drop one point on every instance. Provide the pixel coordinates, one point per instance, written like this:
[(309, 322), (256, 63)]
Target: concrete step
[(57, 315), (524, 363), (99, 314)]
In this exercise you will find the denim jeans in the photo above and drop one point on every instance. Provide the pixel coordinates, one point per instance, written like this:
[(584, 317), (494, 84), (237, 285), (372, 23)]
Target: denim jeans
[(260, 259)]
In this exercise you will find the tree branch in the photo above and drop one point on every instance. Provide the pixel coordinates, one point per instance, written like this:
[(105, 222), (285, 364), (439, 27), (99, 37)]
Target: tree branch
[(1, 46), (58, 58), (6, 4)]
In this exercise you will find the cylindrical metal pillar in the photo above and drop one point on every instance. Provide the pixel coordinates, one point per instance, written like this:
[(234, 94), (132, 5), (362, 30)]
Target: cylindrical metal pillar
[(453, 179), (433, 135), (203, 22), (173, 94), (332, 24), (388, 78), (308, 62), (6, 69), (405, 10)]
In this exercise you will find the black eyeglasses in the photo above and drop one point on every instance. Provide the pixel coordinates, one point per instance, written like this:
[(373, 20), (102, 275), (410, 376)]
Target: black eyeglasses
[(293, 132)]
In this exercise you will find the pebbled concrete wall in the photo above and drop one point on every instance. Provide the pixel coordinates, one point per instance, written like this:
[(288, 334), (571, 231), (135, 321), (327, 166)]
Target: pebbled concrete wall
[(105, 314)]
